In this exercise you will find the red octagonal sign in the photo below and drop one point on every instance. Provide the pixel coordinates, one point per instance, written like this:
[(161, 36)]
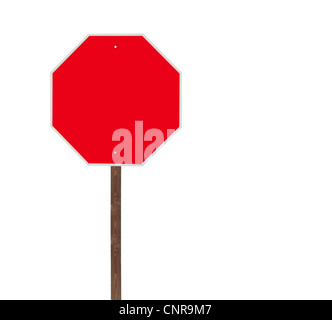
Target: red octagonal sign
[(116, 99)]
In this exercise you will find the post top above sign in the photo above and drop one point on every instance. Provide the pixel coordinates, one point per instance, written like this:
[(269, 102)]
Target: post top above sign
[(116, 99)]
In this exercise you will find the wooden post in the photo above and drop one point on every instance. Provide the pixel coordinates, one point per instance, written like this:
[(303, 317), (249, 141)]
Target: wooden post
[(116, 233)]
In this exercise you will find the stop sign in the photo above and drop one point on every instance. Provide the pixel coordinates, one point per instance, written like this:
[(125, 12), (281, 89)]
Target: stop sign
[(115, 99)]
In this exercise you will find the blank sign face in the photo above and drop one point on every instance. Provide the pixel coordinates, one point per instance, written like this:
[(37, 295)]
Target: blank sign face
[(116, 99)]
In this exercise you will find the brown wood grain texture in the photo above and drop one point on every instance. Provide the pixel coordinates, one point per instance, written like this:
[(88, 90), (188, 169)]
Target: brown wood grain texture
[(116, 233)]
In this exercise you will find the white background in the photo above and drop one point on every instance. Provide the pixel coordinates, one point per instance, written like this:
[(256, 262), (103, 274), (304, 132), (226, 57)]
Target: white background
[(236, 206)]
